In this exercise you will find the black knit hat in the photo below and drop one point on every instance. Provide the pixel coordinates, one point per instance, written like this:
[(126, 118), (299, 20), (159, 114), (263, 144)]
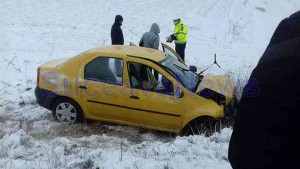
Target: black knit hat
[(118, 18)]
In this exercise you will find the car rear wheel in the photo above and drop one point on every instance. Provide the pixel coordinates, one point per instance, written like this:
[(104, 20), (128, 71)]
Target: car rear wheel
[(66, 110)]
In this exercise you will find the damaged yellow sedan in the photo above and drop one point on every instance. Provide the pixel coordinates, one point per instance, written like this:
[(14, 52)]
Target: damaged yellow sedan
[(134, 86)]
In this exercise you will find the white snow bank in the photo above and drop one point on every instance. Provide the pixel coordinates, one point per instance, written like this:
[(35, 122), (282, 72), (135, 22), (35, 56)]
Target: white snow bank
[(111, 152), (17, 145)]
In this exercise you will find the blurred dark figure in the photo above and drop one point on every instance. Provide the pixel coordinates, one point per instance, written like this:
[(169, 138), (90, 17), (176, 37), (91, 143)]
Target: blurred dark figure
[(117, 39), (266, 131), (116, 31)]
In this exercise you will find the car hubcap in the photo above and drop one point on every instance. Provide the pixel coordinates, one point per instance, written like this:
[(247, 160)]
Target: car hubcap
[(66, 112)]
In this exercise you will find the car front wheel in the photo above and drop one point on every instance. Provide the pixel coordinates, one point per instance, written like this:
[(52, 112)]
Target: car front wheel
[(66, 110), (202, 126)]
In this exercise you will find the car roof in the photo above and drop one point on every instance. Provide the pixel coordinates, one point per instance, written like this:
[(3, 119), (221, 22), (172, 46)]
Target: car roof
[(127, 51)]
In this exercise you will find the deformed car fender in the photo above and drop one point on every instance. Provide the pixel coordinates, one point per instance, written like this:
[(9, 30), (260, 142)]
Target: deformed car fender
[(208, 109)]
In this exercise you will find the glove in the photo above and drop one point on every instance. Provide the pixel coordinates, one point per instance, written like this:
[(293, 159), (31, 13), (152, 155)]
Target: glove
[(169, 39), (173, 37)]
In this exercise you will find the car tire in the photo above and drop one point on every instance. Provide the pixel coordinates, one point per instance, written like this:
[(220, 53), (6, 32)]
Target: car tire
[(67, 110), (202, 126)]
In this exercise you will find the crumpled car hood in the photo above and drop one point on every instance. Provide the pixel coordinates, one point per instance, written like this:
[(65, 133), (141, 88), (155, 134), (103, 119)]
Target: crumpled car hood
[(219, 84)]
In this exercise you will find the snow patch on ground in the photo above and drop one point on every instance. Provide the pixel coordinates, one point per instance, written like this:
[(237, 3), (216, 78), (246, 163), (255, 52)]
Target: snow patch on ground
[(20, 150)]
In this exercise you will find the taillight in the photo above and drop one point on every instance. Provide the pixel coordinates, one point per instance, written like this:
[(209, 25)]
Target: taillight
[(38, 76)]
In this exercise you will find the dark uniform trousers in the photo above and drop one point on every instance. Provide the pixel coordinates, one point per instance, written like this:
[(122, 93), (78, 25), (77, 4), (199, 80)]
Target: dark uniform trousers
[(180, 48)]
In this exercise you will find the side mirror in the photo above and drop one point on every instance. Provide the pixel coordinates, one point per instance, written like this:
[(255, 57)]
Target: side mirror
[(178, 92), (193, 68)]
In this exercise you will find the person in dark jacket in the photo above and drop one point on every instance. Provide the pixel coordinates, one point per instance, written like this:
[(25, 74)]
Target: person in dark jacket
[(266, 130), (151, 39), (116, 31), (117, 39)]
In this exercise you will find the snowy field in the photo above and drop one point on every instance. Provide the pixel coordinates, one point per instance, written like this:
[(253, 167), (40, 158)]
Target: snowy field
[(35, 31)]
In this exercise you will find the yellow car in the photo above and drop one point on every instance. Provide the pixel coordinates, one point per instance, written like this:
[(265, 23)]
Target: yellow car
[(134, 86)]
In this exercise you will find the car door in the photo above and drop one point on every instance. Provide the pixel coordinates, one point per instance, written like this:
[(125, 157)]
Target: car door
[(167, 49), (101, 88), (151, 107)]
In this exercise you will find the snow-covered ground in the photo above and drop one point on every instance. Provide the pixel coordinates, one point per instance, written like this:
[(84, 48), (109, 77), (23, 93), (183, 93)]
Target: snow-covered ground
[(35, 31)]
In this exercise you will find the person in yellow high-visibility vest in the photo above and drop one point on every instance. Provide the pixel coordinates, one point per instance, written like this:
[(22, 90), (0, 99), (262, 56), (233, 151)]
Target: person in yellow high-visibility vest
[(179, 37)]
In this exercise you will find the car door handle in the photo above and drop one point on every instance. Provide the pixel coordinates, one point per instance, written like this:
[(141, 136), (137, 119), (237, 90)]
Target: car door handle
[(134, 97), (83, 87)]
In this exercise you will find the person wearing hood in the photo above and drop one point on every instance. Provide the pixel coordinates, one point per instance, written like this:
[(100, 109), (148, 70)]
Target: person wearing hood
[(117, 39), (179, 36), (266, 127), (151, 39), (116, 31)]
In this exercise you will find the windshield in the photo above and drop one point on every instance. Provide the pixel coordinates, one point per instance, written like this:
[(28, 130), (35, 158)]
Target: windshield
[(182, 73)]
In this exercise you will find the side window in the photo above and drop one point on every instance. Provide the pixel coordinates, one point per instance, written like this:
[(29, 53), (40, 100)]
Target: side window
[(146, 78), (104, 69), (170, 53)]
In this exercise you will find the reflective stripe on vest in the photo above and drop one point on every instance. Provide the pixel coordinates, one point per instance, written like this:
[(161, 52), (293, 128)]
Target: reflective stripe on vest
[(180, 31)]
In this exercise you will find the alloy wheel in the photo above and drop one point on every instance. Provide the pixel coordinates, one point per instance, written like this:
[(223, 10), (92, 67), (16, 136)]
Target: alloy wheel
[(66, 112)]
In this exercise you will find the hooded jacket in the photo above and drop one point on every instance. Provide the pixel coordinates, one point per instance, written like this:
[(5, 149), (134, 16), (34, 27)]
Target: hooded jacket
[(151, 39), (266, 130), (116, 32)]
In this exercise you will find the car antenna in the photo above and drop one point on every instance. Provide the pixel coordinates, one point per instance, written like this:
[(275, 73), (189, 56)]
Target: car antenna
[(134, 33), (215, 62)]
